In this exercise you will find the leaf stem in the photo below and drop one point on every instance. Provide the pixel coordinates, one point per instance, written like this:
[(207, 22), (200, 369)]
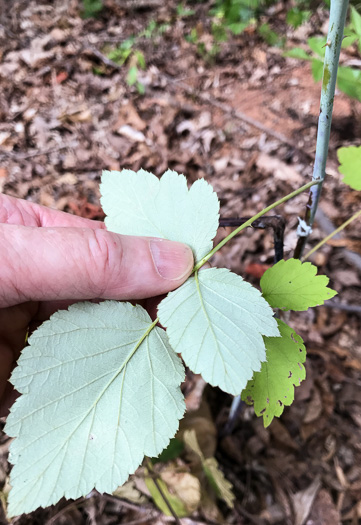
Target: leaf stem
[(340, 228), (250, 221), (338, 10)]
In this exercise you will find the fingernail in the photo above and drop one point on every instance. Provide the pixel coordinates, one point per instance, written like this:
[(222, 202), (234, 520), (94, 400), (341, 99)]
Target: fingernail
[(172, 260)]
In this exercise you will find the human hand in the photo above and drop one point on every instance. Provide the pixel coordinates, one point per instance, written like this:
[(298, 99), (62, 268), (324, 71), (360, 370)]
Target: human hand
[(50, 259)]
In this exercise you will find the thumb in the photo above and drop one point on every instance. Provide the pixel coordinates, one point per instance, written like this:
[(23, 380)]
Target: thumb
[(45, 264)]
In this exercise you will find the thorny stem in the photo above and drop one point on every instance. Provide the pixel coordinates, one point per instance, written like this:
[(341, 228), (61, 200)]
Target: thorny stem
[(338, 10), (250, 221), (340, 228)]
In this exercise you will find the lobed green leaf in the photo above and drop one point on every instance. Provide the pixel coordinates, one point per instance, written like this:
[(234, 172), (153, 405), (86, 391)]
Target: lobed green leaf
[(350, 165), (272, 388), (293, 285)]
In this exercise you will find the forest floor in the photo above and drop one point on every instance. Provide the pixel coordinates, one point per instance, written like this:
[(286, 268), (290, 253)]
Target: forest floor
[(246, 121)]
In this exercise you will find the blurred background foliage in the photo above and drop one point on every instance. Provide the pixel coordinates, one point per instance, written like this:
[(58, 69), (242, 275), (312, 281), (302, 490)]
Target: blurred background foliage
[(233, 17)]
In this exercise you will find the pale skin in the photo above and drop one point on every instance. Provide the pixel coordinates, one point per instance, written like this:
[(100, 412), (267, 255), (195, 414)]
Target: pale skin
[(50, 259)]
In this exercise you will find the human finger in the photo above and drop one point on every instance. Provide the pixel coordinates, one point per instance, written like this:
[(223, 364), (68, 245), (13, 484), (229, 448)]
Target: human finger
[(46, 264), (25, 213)]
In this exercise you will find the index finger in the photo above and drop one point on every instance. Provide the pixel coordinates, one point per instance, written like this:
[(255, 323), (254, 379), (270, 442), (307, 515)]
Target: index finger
[(25, 213)]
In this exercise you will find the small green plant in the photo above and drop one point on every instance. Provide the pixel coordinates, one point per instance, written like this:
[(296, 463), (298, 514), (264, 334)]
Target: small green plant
[(233, 17), (271, 37), (183, 11), (100, 383), (296, 17), (126, 53), (121, 400), (91, 8), (348, 78)]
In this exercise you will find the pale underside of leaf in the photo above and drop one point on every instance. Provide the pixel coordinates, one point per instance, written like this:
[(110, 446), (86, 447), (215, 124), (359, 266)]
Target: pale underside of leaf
[(99, 391), (272, 388), (138, 203), (293, 285), (216, 321)]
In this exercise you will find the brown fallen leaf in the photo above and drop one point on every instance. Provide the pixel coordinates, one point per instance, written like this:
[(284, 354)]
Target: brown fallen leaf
[(303, 500), (323, 511)]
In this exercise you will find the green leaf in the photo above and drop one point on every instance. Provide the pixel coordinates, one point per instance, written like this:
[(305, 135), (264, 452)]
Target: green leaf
[(140, 59), (272, 388), (138, 203), (173, 451), (349, 81), (296, 17), (356, 21), (317, 69), (318, 45), (297, 52), (271, 37), (101, 389), (350, 166), (349, 38), (216, 321), (91, 8), (132, 75), (292, 285)]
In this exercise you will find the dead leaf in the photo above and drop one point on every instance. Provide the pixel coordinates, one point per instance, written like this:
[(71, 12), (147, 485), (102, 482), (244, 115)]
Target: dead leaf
[(324, 511), (303, 500), (131, 134), (128, 115), (129, 492), (268, 165), (314, 407)]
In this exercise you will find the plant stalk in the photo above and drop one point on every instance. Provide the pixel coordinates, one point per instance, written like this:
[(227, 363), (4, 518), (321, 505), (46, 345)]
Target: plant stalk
[(251, 220), (159, 488), (340, 228), (338, 10)]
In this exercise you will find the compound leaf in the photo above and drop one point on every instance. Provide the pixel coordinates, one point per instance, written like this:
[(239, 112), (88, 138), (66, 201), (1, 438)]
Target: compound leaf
[(273, 387), (101, 389), (216, 321), (293, 285), (138, 203), (350, 165)]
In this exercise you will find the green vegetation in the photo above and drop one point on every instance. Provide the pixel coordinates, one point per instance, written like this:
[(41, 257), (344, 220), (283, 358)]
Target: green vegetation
[(91, 8)]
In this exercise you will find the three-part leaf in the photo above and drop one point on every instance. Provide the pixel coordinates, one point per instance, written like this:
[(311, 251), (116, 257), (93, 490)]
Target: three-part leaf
[(216, 321), (100, 389), (273, 387), (293, 285), (138, 203)]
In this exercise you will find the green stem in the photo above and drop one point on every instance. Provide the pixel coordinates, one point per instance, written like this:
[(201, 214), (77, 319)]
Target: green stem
[(340, 228), (250, 221), (338, 10)]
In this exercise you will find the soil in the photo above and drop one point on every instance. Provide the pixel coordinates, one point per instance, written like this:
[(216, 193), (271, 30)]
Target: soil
[(246, 121)]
